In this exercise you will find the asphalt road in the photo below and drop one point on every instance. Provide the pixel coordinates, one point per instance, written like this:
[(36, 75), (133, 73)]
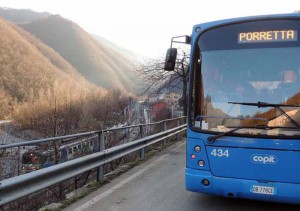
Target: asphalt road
[(158, 184)]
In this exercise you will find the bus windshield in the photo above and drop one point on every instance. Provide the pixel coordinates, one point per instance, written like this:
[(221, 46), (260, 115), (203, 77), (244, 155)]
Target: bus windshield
[(234, 70)]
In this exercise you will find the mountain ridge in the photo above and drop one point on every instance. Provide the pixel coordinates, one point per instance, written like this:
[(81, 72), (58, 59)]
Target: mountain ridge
[(21, 16)]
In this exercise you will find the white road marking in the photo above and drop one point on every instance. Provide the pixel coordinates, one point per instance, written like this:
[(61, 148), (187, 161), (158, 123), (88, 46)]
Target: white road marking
[(121, 184)]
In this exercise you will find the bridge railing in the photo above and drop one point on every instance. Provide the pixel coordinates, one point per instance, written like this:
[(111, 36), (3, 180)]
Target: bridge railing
[(23, 185)]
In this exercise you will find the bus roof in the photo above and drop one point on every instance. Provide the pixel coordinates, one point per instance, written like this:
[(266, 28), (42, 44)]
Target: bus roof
[(207, 25)]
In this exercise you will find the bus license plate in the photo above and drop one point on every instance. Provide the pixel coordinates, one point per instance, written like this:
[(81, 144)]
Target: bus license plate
[(263, 190)]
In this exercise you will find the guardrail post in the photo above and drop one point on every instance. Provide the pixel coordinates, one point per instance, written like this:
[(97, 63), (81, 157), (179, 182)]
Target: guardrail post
[(128, 134), (178, 124), (142, 151), (100, 170), (165, 128), (19, 158)]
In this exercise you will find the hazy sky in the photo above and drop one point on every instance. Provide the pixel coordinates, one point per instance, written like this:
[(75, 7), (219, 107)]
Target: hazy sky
[(146, 26)]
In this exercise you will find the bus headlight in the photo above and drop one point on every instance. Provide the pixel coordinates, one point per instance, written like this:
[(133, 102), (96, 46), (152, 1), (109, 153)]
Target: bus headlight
[(205, 182), (201, 163), (197, 148)]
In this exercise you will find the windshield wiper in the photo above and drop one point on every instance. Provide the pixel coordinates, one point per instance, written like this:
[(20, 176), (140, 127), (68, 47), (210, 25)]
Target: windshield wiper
[(277, 106), (212, 139)]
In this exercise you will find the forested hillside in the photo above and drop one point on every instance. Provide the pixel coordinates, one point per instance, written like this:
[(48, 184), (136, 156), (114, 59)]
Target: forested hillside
[(98, 63), (39, 90)]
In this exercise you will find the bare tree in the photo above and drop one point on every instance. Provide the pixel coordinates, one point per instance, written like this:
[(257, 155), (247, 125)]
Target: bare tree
[(6, 105), (9, 165), (158, 79)]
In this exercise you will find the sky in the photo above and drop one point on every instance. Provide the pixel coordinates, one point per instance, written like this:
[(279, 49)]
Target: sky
[(146, 26)]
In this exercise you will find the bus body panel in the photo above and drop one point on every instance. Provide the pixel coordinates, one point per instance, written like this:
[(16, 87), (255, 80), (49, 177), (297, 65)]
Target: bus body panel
[(205, 26), (256, 164), (246, 142), (240, 188), (238, 168), (264, 164)]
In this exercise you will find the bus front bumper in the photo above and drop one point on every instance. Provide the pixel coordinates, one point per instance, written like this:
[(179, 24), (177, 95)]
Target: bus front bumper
[(196, 181)]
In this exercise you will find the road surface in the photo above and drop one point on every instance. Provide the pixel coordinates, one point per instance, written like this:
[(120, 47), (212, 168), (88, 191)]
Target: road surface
[(158, 184)]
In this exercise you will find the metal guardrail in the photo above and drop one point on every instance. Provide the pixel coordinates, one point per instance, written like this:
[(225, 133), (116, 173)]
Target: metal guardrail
[(78, 135), (99, 137), (23, 185)]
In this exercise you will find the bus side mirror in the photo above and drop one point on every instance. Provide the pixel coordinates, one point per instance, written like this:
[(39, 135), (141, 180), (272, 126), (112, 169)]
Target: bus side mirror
[(170, 59)]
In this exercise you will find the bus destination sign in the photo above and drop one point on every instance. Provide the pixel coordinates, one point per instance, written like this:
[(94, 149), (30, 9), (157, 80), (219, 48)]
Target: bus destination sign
[(268, 36)]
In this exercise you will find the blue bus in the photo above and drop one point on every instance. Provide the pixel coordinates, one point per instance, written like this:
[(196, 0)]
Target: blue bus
[(243, 137)]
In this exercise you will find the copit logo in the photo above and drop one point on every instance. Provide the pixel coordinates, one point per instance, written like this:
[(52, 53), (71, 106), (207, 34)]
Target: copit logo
[(264, 159)]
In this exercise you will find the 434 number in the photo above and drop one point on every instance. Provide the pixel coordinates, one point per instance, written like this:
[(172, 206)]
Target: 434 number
[(220, 153)]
